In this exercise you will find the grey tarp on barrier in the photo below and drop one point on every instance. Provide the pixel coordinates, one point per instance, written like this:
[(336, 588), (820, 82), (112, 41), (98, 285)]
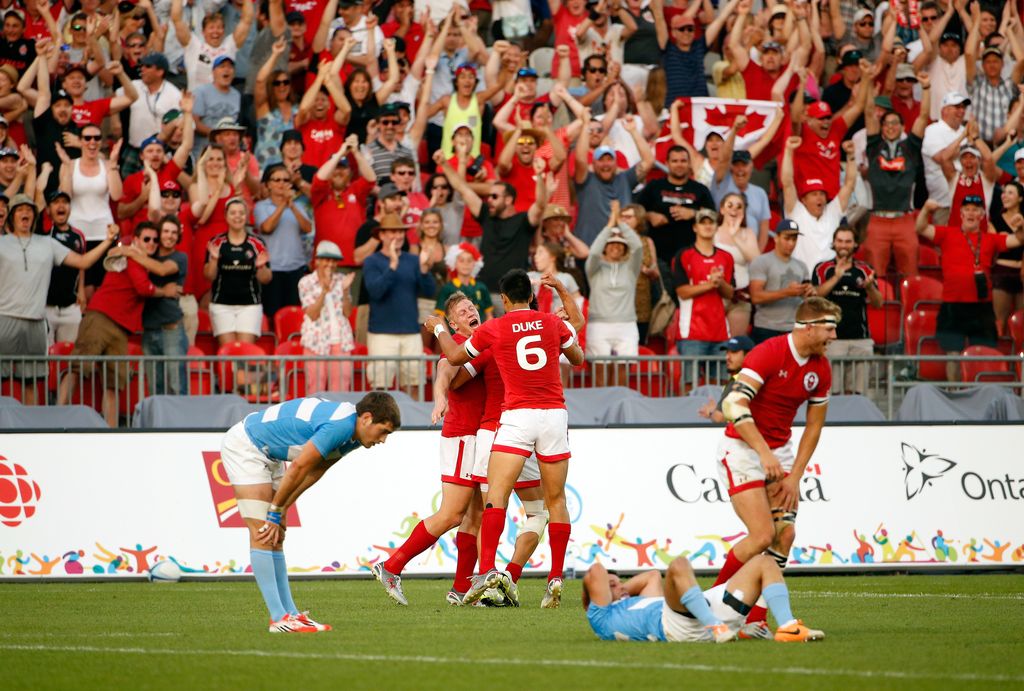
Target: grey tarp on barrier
[(929, 403), (7, 400), (22, 417), (658, 411), (591, 406), (219, 411), (847, 409), (1005, 409)]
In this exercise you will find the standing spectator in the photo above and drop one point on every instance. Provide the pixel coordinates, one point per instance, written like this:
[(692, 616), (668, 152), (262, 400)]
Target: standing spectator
[(703, 277), (821, 136), (323, 111), (815, 215), (516, 163), (217, 103), (275, 112), (894, 162), (26, 263), (966, 314), (613, 267), (386, 147), (157, 97), (393, 280), (683, 52), (738, 240), (202, 52), (595, 190), (948, 69), (672, 203), (208, 197), (991, 94), (851, 284), (936, 151), (238, 265), (507, 234), (281, 224), (65, 299), (339, 197), (92, 183), (163, 328), (52, 121), (1007, 289), (635, 216), (903, 100), (464, 263), (778, 284), (115, 312), (736, 180), (549, 260), (326, 297), (429, 243), (450, 207)]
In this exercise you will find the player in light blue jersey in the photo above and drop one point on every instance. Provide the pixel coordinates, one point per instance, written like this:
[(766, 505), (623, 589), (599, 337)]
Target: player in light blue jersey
[(312, 434), (643, 609)]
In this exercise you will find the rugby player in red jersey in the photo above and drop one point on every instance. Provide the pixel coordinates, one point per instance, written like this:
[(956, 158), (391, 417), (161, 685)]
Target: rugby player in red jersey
[(527, 345), (755, 458), (465, 407)]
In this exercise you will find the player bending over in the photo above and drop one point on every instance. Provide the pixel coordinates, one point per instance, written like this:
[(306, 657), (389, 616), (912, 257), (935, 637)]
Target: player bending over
[(755, 458), (527, 345), (642, 609), (312, 434)]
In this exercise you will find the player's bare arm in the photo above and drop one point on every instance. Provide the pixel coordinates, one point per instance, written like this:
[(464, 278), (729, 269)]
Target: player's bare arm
[(442, 384), (294, 478), (572, 310), (454, 352), (736, 408)]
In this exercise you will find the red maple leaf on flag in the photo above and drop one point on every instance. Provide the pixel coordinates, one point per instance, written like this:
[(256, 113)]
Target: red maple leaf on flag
[(724, 118)]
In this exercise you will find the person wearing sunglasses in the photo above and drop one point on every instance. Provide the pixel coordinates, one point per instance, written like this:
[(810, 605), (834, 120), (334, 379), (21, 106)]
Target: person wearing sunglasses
[(281, 223), (863, 37), (157, 98), (388, 147), (683, 50), (276, 109), (115, 312)]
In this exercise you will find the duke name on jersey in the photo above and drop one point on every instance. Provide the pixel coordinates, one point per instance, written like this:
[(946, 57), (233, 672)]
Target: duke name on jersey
[(629, 619), (282, 430)]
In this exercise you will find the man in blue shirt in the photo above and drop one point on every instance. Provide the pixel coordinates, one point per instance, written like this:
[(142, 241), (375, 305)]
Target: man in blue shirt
[(393, 279), (312, 434), (683, 50), (643, 609)]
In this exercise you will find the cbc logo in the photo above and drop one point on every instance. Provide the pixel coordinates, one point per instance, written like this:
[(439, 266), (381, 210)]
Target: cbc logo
[(18, 494)]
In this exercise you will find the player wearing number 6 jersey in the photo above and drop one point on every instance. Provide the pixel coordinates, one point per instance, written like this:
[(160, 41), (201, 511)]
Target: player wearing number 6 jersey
[(526, 346), (755, 459)]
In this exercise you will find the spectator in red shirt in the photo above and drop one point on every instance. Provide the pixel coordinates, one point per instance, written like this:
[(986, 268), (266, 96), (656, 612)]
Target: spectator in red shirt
[(567, 17), (967, 258), (515, 164), (114, 313), (339, 199), (902, 84), (405, 26), (323, 111)]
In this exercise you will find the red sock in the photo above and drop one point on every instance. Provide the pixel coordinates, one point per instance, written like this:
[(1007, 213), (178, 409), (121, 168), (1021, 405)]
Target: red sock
[(420, 541), (514, 570), (491, 528), (759, 614), (465, 543), (729, 569), (558, 534)]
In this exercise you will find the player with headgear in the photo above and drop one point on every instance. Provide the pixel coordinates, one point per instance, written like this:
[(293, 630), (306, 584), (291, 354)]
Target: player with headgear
[(311, 434)]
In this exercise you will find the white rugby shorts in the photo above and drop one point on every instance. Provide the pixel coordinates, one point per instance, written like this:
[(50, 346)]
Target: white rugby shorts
[(458, 456), (244, 463), (739, 467), (680, 628), (543, 431), (528, 477)]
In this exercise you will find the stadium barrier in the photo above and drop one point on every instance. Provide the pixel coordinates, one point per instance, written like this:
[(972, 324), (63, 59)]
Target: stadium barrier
[(265, 379), (110, 504)]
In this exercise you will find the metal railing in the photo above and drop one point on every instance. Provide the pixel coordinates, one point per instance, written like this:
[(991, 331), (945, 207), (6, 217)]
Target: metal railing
[(126, 380)]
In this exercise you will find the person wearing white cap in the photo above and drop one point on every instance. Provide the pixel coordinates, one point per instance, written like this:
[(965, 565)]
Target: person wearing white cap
[(326, 300), (940, 148)]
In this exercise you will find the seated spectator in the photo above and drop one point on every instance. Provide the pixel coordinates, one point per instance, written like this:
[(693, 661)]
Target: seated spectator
[(464, 263), (237, 265), (115, 312), (327, 301), (968, 254), (778, 284), (613, 267), (852, 285)]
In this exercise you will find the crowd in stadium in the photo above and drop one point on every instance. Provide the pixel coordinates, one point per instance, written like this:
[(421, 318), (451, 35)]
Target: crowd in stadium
[(167, 164)]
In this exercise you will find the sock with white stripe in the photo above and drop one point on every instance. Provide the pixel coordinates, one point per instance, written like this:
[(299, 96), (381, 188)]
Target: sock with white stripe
[(263, 569)]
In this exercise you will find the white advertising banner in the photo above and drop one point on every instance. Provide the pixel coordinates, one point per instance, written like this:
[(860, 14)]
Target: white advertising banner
[(113, 504)]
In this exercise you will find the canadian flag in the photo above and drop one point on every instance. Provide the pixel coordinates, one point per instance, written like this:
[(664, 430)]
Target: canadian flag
[(698, 117)]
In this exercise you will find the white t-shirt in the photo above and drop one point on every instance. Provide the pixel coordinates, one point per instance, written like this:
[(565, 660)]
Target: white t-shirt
[(593, 40), (937, 136), (199, 57), (148, 110), (945, 78), (815, 242), (359, 34)]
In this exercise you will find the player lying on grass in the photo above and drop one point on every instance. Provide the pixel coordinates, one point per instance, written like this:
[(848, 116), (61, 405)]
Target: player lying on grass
[(312, 434), (642, 609)]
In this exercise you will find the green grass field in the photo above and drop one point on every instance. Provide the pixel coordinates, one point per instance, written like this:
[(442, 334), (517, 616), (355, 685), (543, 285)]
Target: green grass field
[(883, 632)]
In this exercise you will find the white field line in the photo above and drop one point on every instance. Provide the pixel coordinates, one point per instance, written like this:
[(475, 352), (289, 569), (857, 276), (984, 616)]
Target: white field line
[(514, 662), (955, 596)]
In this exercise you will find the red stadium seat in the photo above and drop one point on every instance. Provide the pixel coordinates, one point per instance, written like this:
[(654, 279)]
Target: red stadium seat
[(884, 324), (929, 263), (57, 367), (293, 371), (136, 389), (920, 291), (919, 339), (647, 376), (1017, 330), (985, 370), (288, 323), (359, 380), (886, 289), (200, 375), (260, 387), (205, 340)]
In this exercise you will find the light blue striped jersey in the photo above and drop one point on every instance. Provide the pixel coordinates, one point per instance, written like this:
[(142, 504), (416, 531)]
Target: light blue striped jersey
[(629, 619), (282, 430)]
